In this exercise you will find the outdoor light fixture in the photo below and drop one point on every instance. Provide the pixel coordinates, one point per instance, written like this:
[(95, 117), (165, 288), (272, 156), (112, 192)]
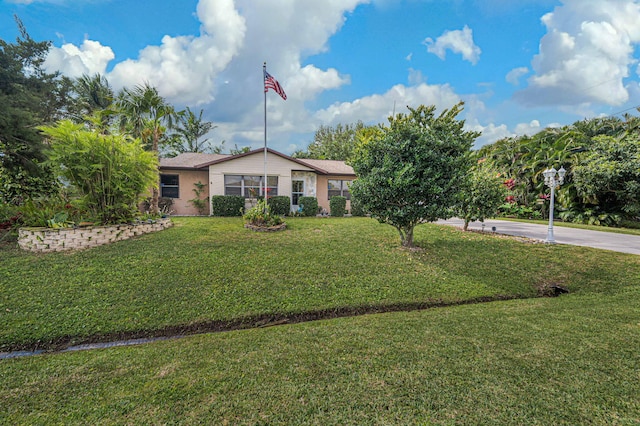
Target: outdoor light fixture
[(553, 179)]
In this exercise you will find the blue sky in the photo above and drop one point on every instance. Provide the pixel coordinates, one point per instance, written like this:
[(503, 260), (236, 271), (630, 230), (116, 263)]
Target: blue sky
[(519, 65)]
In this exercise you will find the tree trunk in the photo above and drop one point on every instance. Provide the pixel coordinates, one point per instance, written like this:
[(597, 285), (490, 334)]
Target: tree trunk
[(406, 236), (466, 225), (155, 193)]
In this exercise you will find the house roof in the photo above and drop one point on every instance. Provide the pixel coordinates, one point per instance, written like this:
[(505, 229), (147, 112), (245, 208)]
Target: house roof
[(192, 160), (189, 160), (332, 167)]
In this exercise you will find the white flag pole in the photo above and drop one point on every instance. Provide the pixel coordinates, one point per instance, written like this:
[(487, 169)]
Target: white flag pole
[(264, 70)]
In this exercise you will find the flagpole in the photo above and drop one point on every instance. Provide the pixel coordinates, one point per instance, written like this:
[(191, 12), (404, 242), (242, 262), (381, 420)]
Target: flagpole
[(264, 70)]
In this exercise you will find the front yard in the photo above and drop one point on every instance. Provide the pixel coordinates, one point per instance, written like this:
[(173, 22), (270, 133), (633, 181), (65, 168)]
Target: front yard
[(567, 360)]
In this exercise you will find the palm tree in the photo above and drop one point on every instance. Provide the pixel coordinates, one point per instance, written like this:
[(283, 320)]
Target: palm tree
[(191, 128), (95, 99), (94, 92), (146, 115)]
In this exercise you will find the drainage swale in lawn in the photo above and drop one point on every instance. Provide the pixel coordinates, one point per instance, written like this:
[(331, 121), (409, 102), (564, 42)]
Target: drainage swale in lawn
[(171, 333)]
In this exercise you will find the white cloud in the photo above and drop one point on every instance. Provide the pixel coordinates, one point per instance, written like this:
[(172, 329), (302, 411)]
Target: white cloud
[(458, 41), (378, 107), (529, 129), (585, 54), (184, 68), (515, 74), (90, 58), (490, 133)]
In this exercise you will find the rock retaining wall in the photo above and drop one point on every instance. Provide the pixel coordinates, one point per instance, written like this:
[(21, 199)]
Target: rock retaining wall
[(44, 240)]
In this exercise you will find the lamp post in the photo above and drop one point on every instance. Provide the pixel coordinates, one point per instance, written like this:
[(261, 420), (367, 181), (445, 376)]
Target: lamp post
[(552, 178)]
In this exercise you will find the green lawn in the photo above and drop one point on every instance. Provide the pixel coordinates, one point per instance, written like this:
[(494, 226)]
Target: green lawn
[(567, 360), (571, 360), (207, 273)]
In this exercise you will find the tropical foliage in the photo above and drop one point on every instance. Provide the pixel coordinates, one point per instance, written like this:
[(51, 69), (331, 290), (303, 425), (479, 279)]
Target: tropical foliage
[(110, 172), (601, 157)]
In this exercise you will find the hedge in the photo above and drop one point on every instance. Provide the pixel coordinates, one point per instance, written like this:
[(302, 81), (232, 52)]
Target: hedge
[(227, 205), (338, 205), (309, 206), (279, 204)]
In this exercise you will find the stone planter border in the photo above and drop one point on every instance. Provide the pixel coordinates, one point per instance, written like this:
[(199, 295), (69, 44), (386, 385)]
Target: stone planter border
[(276, 228), (44, 240)]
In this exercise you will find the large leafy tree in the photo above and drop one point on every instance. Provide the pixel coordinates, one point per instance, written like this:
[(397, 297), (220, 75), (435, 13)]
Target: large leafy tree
[(332, 143), (146, 115), (29, 96), (413, 170)]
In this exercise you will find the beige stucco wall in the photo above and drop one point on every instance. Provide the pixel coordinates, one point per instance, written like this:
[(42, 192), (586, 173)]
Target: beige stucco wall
[(187, 178), (323, 190), (254, 165)]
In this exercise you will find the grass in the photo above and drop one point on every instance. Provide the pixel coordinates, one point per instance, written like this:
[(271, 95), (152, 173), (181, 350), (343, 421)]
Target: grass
[(562, 361), (213, 271), (614, 230), (567, 360)]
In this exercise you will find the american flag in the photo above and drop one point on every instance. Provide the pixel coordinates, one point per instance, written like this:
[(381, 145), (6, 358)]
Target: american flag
[(272, 83)]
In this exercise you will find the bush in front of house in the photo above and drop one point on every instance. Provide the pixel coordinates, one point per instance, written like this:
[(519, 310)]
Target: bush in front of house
[(309, 206), (338, 205), (261, 215), (227, 205), (108, 172), (279, 205)]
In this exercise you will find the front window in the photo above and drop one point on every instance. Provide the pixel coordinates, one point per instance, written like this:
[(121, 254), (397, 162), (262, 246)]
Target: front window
[(169, 186), (249, 186), (297, 191), (339, 187)]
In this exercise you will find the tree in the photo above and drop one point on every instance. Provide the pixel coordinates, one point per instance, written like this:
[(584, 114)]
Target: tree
[(412, 171), (94, 97), (28, 97), (146, 114), (190, 129), (332, 143), (482, 194)]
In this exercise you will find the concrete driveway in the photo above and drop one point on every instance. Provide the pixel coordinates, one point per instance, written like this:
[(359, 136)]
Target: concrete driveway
[(578, 237)]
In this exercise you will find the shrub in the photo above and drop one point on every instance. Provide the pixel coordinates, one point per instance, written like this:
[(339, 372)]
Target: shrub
[(309, 205), (338, 205), (227, 205), (261, 215), (280, 205), (110, 172)]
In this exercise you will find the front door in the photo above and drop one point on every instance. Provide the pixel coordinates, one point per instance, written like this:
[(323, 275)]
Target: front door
[(297, 191)]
